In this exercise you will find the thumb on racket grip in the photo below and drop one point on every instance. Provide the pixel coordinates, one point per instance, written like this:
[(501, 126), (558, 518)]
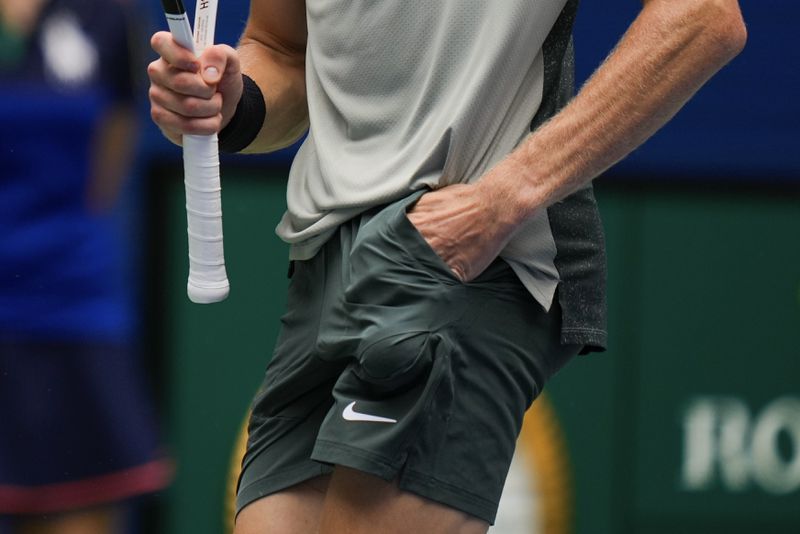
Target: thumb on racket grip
[(211, 74), (219, 61)]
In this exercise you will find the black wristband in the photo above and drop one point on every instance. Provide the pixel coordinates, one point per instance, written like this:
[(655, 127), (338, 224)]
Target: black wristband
[(246, 121)]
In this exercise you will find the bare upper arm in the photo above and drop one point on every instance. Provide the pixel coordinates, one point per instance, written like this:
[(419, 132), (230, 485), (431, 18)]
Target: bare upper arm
[(272, 53), (277, 24)]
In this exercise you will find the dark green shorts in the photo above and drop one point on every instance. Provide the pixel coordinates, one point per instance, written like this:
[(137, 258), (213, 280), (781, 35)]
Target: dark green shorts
[(387, 363)]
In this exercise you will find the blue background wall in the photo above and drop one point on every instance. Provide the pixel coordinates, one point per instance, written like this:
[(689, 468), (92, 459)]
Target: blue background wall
[(743, 125)]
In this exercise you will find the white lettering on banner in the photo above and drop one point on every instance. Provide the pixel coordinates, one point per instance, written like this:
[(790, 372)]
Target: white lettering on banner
[(770, 470), (724, 442)]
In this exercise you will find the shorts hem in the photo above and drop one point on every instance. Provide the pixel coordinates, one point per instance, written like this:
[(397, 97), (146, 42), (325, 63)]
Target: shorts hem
[(593, 340), (408, 480), (269, 484), (449, 495), (330, 452)]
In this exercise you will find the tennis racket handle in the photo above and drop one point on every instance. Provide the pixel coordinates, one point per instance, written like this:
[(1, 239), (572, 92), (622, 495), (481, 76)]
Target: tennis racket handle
[(208, 281)]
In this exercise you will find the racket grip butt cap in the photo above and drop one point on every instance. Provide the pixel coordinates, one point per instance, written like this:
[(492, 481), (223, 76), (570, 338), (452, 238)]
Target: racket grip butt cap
[(207, 295)]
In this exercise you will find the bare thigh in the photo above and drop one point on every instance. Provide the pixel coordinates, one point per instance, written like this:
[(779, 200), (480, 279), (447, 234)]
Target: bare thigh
[(295, 510), (352, 502), (358, 503)]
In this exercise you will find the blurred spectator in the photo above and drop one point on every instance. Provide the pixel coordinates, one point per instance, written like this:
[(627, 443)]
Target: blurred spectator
[(78, 436)]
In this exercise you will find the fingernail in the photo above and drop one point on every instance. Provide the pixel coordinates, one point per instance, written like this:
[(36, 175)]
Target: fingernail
[(212, 72)]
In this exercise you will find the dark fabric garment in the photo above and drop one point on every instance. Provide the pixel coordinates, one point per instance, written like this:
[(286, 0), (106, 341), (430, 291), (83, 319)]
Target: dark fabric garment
[(575, 221), (78, 427), (388, 364)]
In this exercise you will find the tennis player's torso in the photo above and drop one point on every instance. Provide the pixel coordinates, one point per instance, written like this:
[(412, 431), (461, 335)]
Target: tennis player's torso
[(409, 94)]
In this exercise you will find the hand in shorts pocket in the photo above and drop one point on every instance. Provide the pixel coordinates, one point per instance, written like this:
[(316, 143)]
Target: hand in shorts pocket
[(462, 227)]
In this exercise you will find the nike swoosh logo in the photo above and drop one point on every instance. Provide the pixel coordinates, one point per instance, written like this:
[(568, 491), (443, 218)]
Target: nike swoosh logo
[(350, 414)]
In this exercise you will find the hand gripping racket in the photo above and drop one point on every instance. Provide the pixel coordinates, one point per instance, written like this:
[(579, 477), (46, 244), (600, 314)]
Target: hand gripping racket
[(208, 281)]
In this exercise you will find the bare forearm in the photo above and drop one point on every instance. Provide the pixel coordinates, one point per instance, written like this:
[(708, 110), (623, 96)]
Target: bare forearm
[(200, 96), (668, 53)]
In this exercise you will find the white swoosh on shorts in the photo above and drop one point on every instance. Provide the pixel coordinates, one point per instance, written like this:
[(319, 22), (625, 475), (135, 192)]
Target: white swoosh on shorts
[(350, 414)]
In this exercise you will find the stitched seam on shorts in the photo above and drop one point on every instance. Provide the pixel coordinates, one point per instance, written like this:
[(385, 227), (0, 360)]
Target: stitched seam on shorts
[(359, 459), (286, 473), (583, 330), (365, 454), (429, 480)]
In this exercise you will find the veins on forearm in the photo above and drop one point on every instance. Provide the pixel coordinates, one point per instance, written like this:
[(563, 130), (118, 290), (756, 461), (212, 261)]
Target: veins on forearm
[(663, 59)]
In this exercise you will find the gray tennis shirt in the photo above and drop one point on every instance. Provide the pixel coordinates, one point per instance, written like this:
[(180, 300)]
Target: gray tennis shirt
[(407, 94)]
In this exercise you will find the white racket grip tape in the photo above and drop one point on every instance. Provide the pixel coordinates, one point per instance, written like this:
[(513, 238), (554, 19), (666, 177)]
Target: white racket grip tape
[(208, 280)]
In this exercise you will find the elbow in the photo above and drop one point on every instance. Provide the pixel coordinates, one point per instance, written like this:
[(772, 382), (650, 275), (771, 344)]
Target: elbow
[(717, 25), (735, 31), (726, 27)]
